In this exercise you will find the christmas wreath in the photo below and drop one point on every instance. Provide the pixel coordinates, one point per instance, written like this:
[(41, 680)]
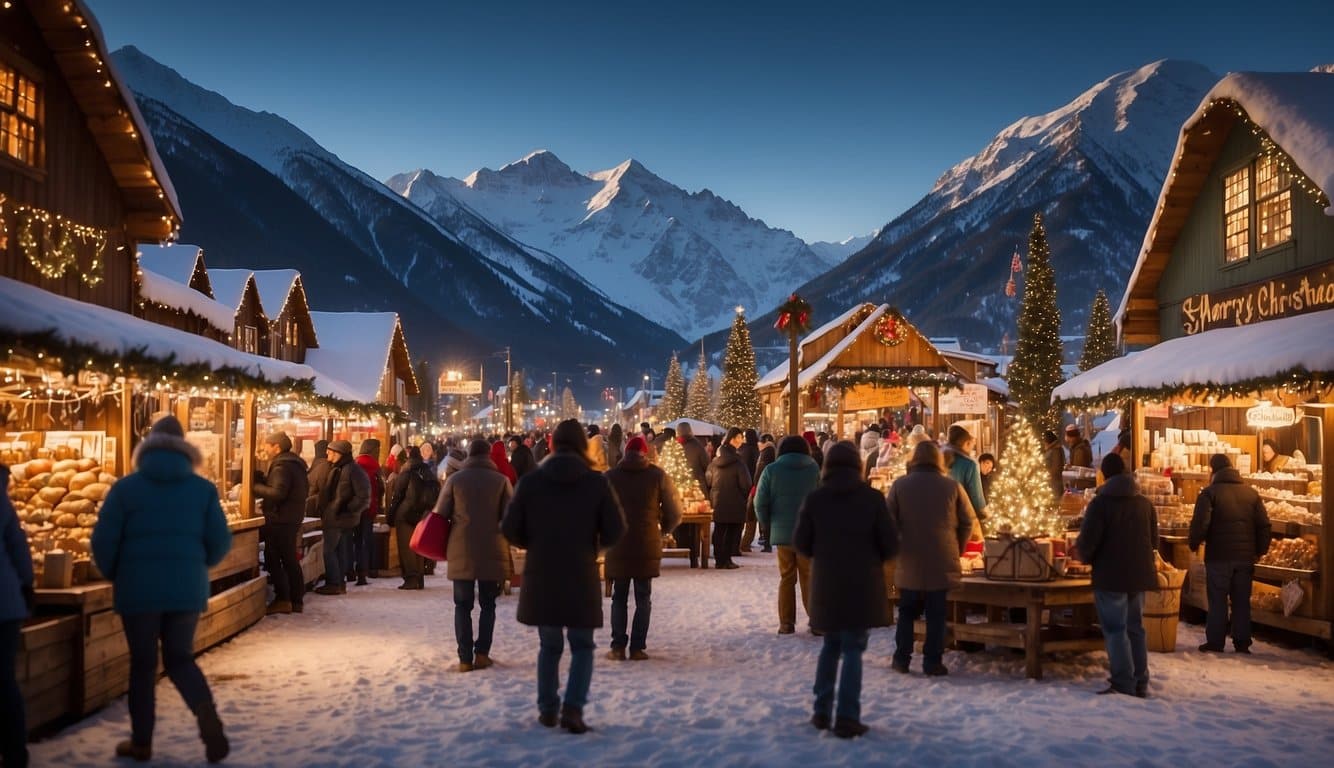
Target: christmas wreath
[(890, 329), (794, 315)]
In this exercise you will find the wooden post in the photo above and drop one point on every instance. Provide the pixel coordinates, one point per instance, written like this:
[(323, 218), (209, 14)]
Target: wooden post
[(124, 447), (794, 396), (1327, 491), (838, 427), (935, 411), (1137, 427), (249, 421)]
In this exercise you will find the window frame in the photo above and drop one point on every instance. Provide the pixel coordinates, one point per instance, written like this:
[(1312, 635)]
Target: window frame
[(1252, 208), (23, 70)]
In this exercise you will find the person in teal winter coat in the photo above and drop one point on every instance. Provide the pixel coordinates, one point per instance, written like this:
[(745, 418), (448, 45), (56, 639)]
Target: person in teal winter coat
[(16, 597), (959, 458), (783, 486), (159, 531)]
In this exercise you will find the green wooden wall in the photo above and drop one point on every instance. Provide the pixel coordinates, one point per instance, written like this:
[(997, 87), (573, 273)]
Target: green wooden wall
[(1197, 263)]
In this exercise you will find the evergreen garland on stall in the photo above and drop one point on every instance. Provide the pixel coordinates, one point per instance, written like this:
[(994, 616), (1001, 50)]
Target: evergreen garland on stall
[(673, 404), (1036, 368), (1100, 337), (699, 402), (738, 402), (1021, 501)]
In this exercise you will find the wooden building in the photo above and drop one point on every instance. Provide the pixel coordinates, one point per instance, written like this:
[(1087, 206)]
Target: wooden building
[(1233, 295), (291, 331), (80, 180), (236, 288), (174, 290)]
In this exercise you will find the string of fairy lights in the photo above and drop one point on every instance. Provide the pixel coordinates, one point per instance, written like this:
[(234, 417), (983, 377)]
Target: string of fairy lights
[(53, 244)]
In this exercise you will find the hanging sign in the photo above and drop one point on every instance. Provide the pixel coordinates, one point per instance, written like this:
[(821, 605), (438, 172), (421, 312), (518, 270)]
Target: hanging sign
[(1270, 417), (1294, 293), (866, 397), (972, 399), (452, 386)]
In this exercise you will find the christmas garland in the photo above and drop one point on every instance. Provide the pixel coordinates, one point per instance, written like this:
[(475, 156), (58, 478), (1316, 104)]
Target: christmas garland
[(890, 329), (890, 377), (1297, 379), (794, 316)]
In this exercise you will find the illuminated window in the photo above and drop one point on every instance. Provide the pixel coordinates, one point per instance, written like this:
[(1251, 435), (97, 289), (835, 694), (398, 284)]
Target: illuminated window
[(1237, 214), (250, 339), (1273, 203), (20, 117)]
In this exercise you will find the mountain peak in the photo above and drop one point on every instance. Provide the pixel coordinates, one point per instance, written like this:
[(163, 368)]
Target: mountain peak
[(540, 167)]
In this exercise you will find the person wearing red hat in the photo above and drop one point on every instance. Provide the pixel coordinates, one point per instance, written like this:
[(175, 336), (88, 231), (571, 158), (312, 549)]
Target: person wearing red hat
[(651, 506), (816, 453)]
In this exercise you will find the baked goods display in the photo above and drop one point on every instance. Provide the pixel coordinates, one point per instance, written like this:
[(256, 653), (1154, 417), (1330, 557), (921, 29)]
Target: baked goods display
[(1292, 553), (1285, 512), (57, 501)]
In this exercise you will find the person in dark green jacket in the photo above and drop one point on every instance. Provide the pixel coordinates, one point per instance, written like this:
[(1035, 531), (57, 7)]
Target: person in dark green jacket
[(159, 531), (964, 469), (784, 485)]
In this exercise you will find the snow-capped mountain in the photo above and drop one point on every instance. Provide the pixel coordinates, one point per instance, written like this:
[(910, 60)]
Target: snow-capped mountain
[(835, 253), (350, 235), (1093, 167), (682, 259)]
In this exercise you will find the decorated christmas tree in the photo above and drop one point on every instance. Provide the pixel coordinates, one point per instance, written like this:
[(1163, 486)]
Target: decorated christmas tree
[(569, 409), (1021, 501), (672, 459), (1100, 338), (699, 403), (1036, 368), (738, 402), (673, 404)]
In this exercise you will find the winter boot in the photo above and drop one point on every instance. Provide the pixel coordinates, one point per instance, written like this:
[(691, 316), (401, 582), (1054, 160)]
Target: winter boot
[(331, 589), (572, 720), (139, 752), (849, 729), (210, 731), (361, 579), (616, 654), (481, 661), (278, 606)]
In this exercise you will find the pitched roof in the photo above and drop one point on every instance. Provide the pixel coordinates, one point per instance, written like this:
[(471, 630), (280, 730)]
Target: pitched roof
[(229, 286), (179, 296), (1293, 109), (75, 40), (275, 287), (175, 261), (353, 344)]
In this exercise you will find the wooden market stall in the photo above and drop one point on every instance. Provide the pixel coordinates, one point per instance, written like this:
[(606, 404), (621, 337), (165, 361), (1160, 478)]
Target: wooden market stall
[(174, 290), (1233, 295)]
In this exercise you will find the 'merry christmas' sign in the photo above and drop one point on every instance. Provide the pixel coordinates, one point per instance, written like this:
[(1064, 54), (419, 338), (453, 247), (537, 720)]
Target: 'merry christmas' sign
[(1295, 293)]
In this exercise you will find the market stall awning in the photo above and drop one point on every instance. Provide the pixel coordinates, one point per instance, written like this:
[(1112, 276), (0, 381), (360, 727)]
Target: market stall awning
[(56, 325), (1292, 351), (776, 375)]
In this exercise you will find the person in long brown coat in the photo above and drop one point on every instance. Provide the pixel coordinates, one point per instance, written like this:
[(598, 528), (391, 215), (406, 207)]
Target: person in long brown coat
[(934, 519), (474, 501), (846, 530), (563, 513), (651, 506)]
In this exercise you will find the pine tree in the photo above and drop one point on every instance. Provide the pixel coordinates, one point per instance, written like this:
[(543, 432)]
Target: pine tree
[(738, 402), (699, 403), (673, 404), (1100, 338), (569, 409), (672, 460), (1021, 502), (1036, 368)]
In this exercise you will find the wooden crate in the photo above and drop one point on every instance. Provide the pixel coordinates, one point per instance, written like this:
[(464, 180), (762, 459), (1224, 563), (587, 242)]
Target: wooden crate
[(312, 558), (243, 557), (47, 659)]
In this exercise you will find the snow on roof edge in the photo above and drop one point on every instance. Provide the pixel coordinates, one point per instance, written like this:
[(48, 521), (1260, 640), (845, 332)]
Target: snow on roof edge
[(182, 297)]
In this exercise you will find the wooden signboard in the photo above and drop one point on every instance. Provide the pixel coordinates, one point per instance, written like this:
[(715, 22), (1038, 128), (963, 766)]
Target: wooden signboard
[(1294, 293), (867, 397)]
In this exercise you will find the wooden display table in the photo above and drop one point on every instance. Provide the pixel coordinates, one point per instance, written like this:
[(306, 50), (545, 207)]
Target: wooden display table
[(1034, 637), (702, 524)]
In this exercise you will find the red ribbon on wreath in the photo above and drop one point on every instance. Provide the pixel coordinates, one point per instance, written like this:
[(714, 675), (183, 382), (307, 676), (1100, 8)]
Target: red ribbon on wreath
[(889, 331), (794, 315)]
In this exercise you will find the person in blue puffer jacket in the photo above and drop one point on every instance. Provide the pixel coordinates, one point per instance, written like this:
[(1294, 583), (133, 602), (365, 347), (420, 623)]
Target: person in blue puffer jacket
[(15, 604), (159, 531)]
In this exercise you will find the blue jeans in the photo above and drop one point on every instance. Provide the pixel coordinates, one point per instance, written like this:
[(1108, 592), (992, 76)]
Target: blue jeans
[(13, 729), (176, 631), (912, 603), (464, 592), (552, 645), (1121, 615), (620, 611), (363, 546), (1229, 580), (849, 645), (334, 568)]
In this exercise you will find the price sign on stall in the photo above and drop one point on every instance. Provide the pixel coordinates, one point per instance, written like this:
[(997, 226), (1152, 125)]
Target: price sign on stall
[(972, 399)]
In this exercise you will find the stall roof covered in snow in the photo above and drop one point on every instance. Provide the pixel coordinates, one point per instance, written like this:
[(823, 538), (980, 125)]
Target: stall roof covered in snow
[(175, 261), (229, 286), (33, 311), (776, 375), (1219, 357), (1296, 110), (637, 400), (276, 287), (359, 347), (180, 296)]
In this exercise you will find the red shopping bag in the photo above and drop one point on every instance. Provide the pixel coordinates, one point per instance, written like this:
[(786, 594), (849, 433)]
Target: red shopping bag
[(430, 538)]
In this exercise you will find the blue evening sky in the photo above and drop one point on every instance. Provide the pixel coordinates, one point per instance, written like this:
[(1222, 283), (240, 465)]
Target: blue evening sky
[(826, 118)]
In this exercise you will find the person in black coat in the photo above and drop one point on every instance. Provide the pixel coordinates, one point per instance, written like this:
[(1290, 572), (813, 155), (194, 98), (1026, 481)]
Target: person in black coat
[(651, 505), (767, 456), (1230, 518), (1118, 538), (727, 484), (521, 457), (412, 494), (563, 513), (282, 494), (845, 528)]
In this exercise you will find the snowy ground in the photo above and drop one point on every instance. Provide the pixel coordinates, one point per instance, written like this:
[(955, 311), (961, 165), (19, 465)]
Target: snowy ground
[(366, 680)]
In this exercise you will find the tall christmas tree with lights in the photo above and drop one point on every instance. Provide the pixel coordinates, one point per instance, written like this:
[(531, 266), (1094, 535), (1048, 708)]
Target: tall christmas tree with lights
[(569, 408), (672, 460), (673, 404), (738, 402), (1021, 502), (1100, 338), (1036, 368), (699, 403)]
